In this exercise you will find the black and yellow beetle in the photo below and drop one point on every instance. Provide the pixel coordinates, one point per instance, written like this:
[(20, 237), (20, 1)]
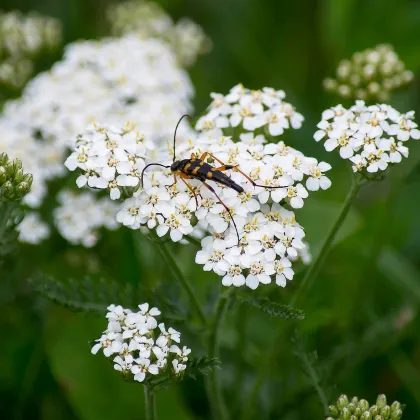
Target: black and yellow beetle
[(196, 168)]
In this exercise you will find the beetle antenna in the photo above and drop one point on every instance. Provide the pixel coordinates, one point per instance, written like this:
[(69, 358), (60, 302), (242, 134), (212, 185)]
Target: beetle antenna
[(151, 164), (176, 128)]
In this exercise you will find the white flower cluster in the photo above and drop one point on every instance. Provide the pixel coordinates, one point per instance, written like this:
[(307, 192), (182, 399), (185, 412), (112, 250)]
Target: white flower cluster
[(269, 236), (110, 157), (139, 346), (22, 39), (253, 109), (95, 80), (370, 74), (149, 19), (372, 137), (78, 217), (32, 229)]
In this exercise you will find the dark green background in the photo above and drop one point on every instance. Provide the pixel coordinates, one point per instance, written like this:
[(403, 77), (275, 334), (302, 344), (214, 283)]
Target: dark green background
[(357, 315)]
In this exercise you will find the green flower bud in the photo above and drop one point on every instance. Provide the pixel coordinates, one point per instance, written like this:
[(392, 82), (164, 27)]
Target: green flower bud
[(3, 159), (366, 416), (8, 191), (381, 401), (3, 175), (351, 407), (333, 410), (374, 410), (342, 401), (395, 406), (379, 418), (355, 400), (23, 188), (345, 413), (364, 405), (385, 411), (396, 415), (358, 412), (353, 417), (19, 175)]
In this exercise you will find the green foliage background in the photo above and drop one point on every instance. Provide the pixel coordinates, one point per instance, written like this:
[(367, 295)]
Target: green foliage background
[(361, 315)]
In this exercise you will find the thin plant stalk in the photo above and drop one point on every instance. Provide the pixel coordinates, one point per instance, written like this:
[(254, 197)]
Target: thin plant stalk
[(150, 404), (318, 262), (214, 390), (169, 260)]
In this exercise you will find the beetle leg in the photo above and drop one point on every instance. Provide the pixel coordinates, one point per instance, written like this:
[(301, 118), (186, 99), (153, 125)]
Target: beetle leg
[(225, 206), (183, 178)]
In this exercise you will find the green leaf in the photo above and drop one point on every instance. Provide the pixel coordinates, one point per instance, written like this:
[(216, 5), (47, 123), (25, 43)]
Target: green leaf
[(274, 309), (95, 295), (196, 366), (310, 366)]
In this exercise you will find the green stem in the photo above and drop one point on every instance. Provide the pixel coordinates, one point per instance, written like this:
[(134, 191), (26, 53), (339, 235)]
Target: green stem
[(150, 405), (314, 269), (214, 390), (169, 260)]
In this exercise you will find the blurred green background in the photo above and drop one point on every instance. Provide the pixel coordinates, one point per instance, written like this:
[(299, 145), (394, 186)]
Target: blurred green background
[(361, 315)]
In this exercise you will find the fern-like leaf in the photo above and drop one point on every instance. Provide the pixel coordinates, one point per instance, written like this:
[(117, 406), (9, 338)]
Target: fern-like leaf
[(274, 309), (310, 366), (95, 295), (196, 366)]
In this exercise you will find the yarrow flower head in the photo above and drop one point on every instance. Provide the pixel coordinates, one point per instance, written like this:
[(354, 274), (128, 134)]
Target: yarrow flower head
[(359, 409), (78, 217), (139, 347), (372, 137), (251, 109), (111, 158), (249, 232), (370, 74), (22, 39)]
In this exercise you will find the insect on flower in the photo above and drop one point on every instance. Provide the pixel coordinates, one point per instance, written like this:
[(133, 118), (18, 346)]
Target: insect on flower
[(197, 168)]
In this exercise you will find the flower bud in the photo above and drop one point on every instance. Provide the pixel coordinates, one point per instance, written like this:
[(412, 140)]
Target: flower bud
[(366, 416), (8, 191), (345, 413), (381, 401), (333, 410), (374, 410), (355, 400), (396, 415), (395, 406), (351, 407), (378, 418), (3, 175), (342, 401), (353, 417), (385, 411), (364, 405)]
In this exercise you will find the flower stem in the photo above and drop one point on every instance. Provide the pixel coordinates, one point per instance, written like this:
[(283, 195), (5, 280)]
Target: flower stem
[(314, 269), (169, 260), (214, 390), (150, 405)]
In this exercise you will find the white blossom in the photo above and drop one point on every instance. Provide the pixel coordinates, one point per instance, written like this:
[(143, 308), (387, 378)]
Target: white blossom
[(372, 137), (32, 229), (139, 346)]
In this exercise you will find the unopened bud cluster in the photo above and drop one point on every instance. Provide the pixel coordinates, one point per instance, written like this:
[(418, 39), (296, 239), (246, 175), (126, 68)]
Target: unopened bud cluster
[(14, 183), (359, 409), (148, 19), (22, 38), (370, 74)]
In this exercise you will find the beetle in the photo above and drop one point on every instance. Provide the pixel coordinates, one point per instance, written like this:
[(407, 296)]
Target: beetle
[(197, 168)]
